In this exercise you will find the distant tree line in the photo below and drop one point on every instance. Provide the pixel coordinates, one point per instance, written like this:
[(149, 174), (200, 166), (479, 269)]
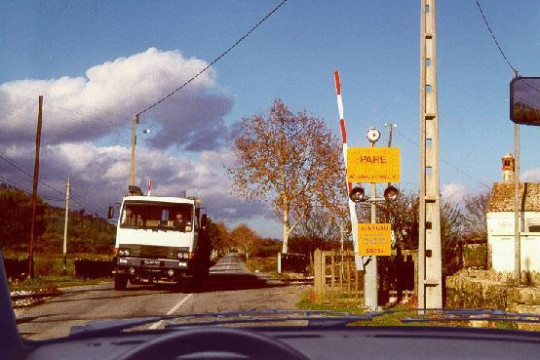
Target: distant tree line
[(86, 233)]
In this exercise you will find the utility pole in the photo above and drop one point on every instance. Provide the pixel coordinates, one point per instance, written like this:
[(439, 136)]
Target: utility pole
[(371, 295), (66, 227), (34, 192), (429, 247), (517, 227), (390, 126), (133, 144)]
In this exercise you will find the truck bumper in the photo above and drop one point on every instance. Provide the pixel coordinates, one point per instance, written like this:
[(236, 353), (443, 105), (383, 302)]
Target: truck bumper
[(152, 268)]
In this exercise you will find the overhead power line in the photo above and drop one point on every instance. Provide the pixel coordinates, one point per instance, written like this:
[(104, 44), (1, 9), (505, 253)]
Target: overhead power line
[(15, 166), (446, 162), (215, 60), (495, 39)]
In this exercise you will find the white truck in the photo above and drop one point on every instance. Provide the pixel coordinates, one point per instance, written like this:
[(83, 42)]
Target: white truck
[(160, 238)]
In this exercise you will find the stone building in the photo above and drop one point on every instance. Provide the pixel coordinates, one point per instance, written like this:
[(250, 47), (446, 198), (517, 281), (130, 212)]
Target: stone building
[(500, 222)]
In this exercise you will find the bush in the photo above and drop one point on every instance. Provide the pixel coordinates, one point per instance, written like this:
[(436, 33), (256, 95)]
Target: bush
[(262, 264), (93, 269), (16, 268)]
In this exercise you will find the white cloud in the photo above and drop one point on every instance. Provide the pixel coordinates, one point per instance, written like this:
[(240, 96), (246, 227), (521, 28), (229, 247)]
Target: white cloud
[(90, 107), (82, 112), (531, 175), (454, 192), (99, 176)]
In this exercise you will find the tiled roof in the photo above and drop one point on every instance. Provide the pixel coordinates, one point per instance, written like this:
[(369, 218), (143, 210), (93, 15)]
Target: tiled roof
[(502, 197)]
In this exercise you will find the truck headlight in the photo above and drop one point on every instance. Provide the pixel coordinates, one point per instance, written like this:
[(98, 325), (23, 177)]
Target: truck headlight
[(123, 252), (182, 255)]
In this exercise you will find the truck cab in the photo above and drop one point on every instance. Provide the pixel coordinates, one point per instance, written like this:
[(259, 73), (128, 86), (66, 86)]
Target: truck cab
[(160, 238)]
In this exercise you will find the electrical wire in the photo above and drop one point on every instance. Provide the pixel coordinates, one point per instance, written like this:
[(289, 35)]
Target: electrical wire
[(84, 205), (495, 39), (223, 54), (213, 61), (445, 162)]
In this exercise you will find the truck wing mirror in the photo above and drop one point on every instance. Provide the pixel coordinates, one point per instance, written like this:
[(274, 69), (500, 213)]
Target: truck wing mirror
[(110, 212), (204, 220)]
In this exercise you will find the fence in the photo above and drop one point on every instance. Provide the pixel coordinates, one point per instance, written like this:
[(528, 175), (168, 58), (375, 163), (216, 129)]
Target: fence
[(335, 274)]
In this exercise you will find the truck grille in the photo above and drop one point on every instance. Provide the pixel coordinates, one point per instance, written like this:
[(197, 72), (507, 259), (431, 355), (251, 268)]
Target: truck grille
[(148, 251)]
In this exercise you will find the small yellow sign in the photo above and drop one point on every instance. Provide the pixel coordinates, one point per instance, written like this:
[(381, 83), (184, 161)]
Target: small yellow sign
[(373, 165), (374, 239)]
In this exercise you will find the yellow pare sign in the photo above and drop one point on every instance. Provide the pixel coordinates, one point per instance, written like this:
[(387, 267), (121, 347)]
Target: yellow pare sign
[(374, 239), (373, 165)]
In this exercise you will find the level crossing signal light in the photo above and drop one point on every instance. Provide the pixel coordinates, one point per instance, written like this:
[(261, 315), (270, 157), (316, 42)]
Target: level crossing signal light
[(358, 194), (391, 193)]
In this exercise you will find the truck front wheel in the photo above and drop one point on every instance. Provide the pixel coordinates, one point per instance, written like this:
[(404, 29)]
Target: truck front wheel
[(120, 282)]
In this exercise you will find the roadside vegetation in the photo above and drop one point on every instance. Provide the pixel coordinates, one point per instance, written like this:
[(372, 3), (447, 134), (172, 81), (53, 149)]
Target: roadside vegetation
[(89, 237), (50, 284), (395, 315)]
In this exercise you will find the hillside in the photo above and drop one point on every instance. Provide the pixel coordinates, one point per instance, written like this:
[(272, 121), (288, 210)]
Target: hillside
[(86, 233)]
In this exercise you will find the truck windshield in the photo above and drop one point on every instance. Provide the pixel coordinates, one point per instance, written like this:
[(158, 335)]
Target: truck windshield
[(169, 216)]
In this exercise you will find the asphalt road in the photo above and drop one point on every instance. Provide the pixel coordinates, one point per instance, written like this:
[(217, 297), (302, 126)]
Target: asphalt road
[(230, 287)]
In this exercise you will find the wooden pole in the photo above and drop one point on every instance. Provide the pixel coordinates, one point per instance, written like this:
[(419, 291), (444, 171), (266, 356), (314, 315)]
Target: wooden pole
[(133, 144), (332, 271), (64, 249), (34, 193)]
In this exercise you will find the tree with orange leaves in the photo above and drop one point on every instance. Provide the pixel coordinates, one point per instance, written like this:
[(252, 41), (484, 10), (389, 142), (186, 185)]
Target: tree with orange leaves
[(291, 161)]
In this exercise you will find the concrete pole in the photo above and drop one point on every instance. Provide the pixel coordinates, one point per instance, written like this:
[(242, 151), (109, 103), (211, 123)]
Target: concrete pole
[(429, 248), (517, 230), (66, 227), (133, 144)]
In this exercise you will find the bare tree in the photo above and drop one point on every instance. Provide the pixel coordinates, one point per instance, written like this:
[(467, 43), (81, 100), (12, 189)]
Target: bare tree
[(292, 161), (320, 223), (476, 215)]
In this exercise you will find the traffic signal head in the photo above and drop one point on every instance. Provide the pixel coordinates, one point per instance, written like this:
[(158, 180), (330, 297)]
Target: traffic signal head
[(391, 193), (357, 194)]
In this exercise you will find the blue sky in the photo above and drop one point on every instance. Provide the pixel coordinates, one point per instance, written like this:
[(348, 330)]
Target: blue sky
[(374, 45)]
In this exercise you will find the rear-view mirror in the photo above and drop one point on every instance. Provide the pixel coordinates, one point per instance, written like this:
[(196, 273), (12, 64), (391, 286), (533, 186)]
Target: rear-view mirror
[(525, 100), (110, 212), (204, 220)]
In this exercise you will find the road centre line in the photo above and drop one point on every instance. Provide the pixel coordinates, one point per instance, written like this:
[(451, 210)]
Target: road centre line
[(171, 311)]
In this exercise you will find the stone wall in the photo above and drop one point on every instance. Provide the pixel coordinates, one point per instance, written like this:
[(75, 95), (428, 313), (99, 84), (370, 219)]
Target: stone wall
[(475, 289)]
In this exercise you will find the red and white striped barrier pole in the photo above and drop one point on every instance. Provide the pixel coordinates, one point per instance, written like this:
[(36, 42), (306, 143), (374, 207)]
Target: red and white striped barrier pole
[(352, 205)]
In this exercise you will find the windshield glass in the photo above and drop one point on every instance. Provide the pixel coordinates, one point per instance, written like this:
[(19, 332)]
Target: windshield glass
[(143, 215), (175, 158)]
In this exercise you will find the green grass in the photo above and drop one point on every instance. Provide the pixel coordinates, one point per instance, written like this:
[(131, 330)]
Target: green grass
[(51, 283)]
